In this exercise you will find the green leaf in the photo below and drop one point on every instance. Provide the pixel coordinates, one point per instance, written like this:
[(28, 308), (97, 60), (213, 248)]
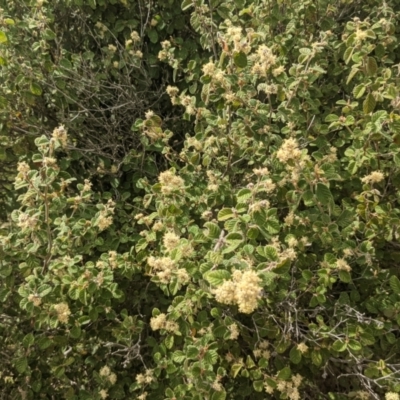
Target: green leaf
[(48, 34), (216, 278), (331, 118), (258, 386), (345, 276), (252, 233), (243, 195), (21, 364), (233, 244), (153, 35), (211, 357), (394, 283), (219, 395), (75, 332), (355, 345), (284, 374), (44, 290), (316, 358), (213, 230), (36, 89), (235, 369), (295, 355), (186, 4), (192, 352), (179, 356), (225, 213), (371, 66), (240, 59), (28, 340), (3, 37), (369, 103), (339, 345), (169, 341), (358, 91), (323, 194)]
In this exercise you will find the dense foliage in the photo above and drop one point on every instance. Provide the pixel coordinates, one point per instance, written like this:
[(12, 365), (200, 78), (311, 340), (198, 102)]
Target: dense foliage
[(200, 200)]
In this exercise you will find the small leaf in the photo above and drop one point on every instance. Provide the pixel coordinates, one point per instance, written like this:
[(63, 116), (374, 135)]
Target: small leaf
[(44, 343), (358, 91), (153, 35), (371, 66), (369, 103), (219, 395), (186, 4), (216, 278), (36, 89), (3, 37), (284, 374), (295, 355), (258, 386), (225, 213), (235, 369), (169, 342), (323, 194), (44, 290), (179, 356), (339, 345), (243, 195), (331, 118), (192, 352), (344, 276), (28, 340), (240, 59), (316, 358), (21, 364), (395, 284), (213, 230), (354, 345)]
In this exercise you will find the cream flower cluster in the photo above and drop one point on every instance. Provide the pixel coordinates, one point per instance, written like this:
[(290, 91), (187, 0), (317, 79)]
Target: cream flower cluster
[(243, 290), (170, 182), (161, 322), (25, 221), (263, 60), (170, 241), (392, 396), (262, 350), (60, 134), (63, 312), (105, 372), (146, 378), (289, 388), (373, 177), (165, 269), (289, 151), (105, 219)]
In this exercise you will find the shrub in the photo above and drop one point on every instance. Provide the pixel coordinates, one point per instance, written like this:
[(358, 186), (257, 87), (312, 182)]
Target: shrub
[(261, 260)]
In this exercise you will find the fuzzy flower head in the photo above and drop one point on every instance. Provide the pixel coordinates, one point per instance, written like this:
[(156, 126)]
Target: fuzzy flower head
[(25, 221), (170, 241), (135, 36), (342, 265), (170, 182), (105, 371), (158, 322), (392, 396), (23, 168), (243, 290), (63, 312), (373, 177), (288, 151), (60, 134)]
